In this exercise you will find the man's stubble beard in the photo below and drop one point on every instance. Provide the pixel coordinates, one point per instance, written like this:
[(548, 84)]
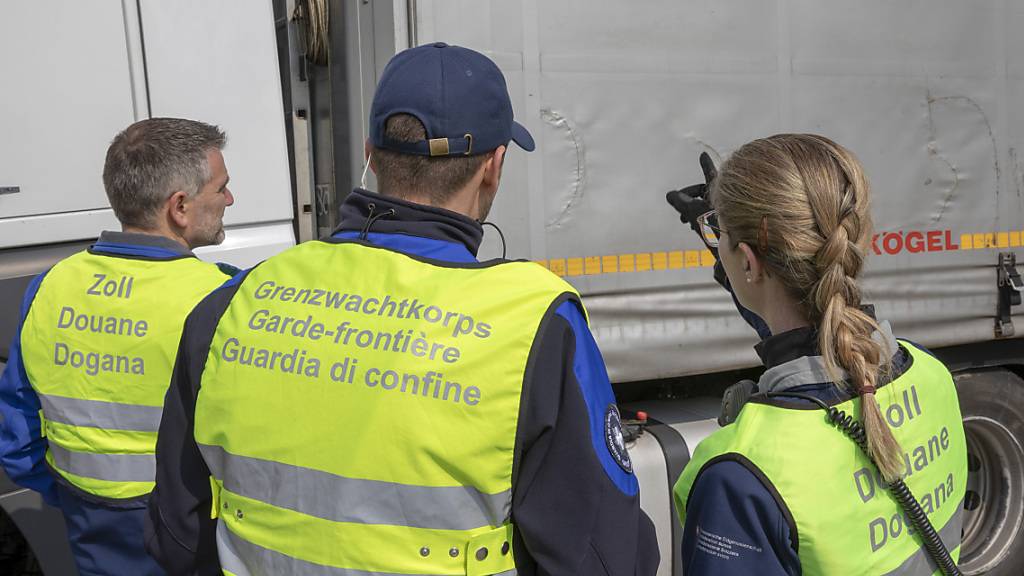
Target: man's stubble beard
[(212, 235)]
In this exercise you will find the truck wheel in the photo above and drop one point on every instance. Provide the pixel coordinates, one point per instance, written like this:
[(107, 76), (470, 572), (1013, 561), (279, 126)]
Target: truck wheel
[(16, 557), (992, 405)]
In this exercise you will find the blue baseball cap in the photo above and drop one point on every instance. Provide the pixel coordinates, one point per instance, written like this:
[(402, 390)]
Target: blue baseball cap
[(458, 94)]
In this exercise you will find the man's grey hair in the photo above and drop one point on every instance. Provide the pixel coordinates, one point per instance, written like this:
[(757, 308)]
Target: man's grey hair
[(154, 158)]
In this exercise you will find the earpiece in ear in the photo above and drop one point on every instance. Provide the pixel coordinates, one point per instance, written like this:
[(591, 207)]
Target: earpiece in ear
[(366, 170)]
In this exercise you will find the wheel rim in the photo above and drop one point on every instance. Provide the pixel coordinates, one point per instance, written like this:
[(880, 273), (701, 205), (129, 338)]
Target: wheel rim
[(994, 503)]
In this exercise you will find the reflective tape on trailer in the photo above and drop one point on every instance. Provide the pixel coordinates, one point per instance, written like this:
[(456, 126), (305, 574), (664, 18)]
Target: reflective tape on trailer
[(888, 243)]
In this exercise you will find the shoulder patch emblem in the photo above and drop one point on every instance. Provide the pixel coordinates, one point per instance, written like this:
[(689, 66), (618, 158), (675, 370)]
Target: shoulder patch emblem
[(613, 438)]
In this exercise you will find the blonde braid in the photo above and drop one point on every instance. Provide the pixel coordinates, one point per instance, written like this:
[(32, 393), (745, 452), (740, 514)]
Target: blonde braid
[(844, 334)]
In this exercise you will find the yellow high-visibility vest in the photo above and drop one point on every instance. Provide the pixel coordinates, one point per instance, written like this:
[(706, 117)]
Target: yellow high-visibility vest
[(99, 343), (846, 521), (358, 411)]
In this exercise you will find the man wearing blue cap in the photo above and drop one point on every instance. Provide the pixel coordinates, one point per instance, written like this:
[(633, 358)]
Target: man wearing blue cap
[(380, 402)]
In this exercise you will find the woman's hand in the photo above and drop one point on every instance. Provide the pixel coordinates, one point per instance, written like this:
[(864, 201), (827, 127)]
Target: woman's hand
[(692, 201)]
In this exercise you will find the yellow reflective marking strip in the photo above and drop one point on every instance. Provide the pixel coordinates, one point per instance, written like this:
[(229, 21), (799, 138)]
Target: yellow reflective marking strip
[(989, 240), (627, 262), (42, 424), (557, 266), (575, 267), (676, 258), (643, 262), (684, 259), (984, 240)]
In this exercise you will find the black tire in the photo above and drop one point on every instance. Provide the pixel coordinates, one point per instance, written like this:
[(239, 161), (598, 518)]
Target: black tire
[(16, 557), (992, 405)]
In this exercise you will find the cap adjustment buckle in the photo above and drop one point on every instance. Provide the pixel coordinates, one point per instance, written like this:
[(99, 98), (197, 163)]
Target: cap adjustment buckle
[(442, 146), (438, 146)]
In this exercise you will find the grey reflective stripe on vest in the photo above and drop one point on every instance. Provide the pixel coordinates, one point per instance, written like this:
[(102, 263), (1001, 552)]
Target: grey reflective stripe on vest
[(111, 467), (340, 499), (921, 564), (97, 414), (264, 561)]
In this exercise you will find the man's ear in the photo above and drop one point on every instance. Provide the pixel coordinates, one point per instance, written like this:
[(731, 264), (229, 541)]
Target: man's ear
[(492, 167), (753, 267), (177, 209)]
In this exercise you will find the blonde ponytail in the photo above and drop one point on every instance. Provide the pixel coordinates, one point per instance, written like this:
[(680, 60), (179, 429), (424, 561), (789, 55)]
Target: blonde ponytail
[(802, 202)]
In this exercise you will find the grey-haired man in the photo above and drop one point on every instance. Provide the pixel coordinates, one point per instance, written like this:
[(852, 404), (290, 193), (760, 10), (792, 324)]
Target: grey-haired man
[(82, 392)]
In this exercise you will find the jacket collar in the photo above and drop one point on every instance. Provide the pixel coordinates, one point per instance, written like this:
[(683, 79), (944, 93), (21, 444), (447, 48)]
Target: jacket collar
[(787, 346), (409, 218), (793, 359), (113, 237)]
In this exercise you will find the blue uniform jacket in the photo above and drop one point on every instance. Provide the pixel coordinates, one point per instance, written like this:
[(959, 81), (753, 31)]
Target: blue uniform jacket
[(106, 538), (575, 506)]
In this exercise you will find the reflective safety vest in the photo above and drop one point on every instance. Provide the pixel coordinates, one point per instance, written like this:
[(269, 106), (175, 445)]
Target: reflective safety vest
[(99, 343), (841, 516), (359, 407)]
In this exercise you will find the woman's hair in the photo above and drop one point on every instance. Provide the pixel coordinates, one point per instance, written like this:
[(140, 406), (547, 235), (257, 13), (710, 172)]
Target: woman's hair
[(801, 202)]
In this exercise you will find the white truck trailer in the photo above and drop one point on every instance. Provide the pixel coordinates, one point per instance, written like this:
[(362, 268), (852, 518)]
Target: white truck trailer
[(621, 97)]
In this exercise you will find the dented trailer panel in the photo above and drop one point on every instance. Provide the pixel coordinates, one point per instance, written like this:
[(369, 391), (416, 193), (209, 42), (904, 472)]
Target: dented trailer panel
[(622, 97)]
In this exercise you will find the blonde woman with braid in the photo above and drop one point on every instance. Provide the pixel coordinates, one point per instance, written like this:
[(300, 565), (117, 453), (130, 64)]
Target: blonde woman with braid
[(782, 490)]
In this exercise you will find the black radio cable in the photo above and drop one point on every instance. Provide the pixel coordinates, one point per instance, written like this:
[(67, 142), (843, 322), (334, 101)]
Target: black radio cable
[(500, 235), (855, 431)]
